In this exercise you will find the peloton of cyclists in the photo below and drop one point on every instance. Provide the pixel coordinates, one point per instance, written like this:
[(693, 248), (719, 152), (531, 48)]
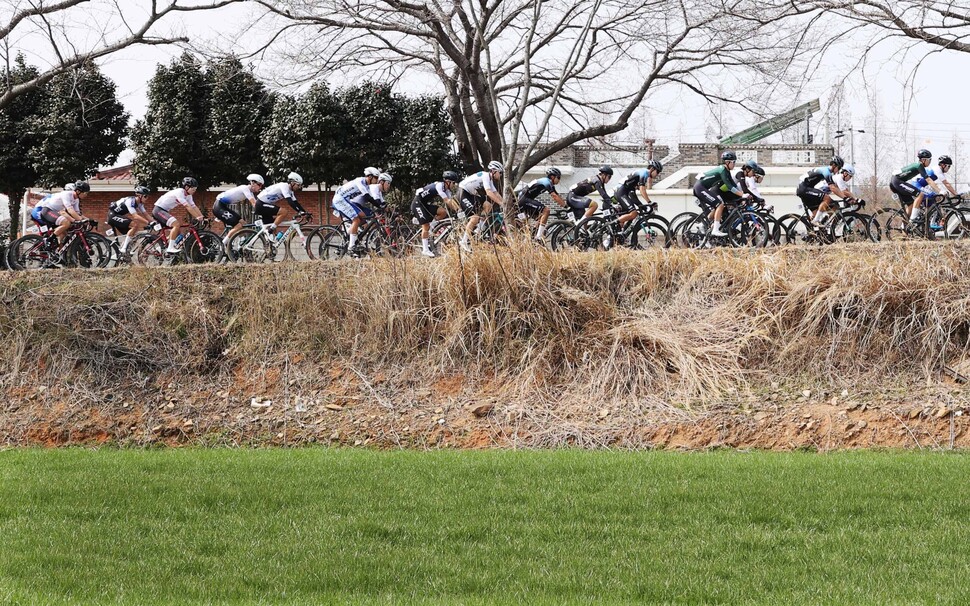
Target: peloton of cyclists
[(59, 210), (902, 183), (817, 186), (712, 185)]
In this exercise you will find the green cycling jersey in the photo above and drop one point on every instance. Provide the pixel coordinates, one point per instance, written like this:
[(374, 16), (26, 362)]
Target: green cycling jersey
[(720, 177)]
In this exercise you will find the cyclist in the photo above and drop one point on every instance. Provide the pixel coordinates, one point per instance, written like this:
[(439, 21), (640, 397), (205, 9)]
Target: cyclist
[(128, 215), (477, 193), (425, 211), (59, 210), (908, 193), (943, 165), (353, 200), (816, 187), (180, 196), (626, 193), (745, 180), (267, 206), (222, 210), (712, 184), (532, 207), (578, 196)]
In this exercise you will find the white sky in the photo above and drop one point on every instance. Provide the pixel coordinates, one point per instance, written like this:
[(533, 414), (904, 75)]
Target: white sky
[(935, 115)]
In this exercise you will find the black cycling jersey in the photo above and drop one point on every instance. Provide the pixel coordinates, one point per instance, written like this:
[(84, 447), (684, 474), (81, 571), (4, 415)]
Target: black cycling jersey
[(816, 175), (587, 186), (122, 206), (538, 187), (428, 193)]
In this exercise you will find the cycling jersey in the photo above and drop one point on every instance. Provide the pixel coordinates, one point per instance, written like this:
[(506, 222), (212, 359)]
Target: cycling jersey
[(814, 176), (271, 196), (634, 180), (236, 194), (355, 192), (536, 188), (61, 201), (911, 170), (587, 186), (719, 178), (478, 183), (176, 197), (126, 206), (942, 177), (428, 193), (922, 182)]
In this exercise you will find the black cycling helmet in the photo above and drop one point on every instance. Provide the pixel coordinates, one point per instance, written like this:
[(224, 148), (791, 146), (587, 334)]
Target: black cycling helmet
[(81, 187), (450, 175), (837, 161), (606, 170), (751, 164), (729, 156), (141, 190), (189, 182), (923, 154), (656, 165), (553, 172), (944, 159), (759, 171)]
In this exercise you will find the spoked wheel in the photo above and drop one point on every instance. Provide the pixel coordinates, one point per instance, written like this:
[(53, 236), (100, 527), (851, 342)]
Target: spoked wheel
[(896, 226), (955, 225), (333, 246), (799, 230), (207, 249), (746, 228), (89, 250), (150, 251), (694, 233), (28, 252), (592, 233), (442, 235), (649, 234), (677, 224), (250, 246), (849, 227)]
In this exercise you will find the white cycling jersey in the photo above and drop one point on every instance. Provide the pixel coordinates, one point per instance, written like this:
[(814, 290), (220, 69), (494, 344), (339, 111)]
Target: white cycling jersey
[(753, 187), (478, 183), (376, 194), (274, 193), (356, 191), (126, 206), (236, 194), (176, 197), (61, 201)]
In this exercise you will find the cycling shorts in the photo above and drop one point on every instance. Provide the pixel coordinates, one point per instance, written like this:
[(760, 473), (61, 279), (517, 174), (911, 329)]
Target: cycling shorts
[(120, 223), (471, 203), (163, 216), (266, 212), (424, 213), (532, 208), (907, 192), (226, 214)]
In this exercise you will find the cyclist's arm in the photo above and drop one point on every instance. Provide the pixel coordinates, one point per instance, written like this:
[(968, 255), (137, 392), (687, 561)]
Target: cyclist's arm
[(557, 198), (730, 184), (295, 205), (643, 193)]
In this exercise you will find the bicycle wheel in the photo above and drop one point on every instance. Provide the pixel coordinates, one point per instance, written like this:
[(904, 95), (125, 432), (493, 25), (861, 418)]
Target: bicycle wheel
[(208, 248), (89, 250), (693, 233), (442, 235), (593, 233), (956, 225), (933, 221), (746, 228), (553, 228), (333, 246), (27, 252), (649, 234), (849, 227), (896, 226), (150, 252), (677, 223), (796, 229), (249, 246)]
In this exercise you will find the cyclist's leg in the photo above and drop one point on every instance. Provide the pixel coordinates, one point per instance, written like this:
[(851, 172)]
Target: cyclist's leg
[(123, 227), (471, 206), (165, 218), (229, 218), (425, 214), (907, 195), (534, 210)]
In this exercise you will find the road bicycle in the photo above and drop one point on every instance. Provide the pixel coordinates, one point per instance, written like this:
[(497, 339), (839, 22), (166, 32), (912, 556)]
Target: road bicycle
[(82, 247), (844, 223), (255, 243), (195, 242), (604, 232), (385, 232)]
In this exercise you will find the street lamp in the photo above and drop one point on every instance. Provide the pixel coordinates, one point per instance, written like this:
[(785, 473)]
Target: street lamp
[(851, 131)]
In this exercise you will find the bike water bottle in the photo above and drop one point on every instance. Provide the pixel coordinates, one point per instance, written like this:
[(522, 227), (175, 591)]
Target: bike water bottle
[(279, 236), (179, 239)]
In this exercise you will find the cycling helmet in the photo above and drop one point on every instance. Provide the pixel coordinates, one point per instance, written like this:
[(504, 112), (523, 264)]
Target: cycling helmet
[(141, 190), (255, 178), (69, 187), (370, 171), (837, 161), (656, 165), (553, 172), (759, 171), (944, 159), (385, 177), (450, 175), (606, 170), (81, 187), (751, 164), (189, 182), (924, 154), (295, 178), (495, 165), (849, 169), (729, 155)]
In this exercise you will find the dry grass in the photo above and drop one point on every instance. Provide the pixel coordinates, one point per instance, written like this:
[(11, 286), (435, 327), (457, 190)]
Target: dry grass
[(618, 326)]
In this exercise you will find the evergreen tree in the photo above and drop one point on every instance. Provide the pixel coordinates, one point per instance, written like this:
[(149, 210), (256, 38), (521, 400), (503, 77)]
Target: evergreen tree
[(81, 125), (422, 147), (16, 138), (239, 110), (171, 141), (376, 115)]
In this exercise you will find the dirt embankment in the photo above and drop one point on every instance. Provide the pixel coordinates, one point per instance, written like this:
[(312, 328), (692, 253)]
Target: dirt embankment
[(837, 348)]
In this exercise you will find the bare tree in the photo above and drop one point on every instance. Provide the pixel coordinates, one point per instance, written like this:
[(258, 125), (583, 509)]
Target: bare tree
[(71, 33), (548, 73)]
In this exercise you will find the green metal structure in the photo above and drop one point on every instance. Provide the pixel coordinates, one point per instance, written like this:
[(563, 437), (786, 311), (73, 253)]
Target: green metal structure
[(773, 125)]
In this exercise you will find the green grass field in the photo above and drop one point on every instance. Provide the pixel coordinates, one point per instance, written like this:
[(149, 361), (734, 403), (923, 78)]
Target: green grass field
[(335, 526)]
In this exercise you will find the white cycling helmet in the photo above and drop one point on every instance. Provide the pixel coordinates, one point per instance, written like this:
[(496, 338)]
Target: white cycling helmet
[(294, 177), (495, 165), (258, 179), (370, 171), (69, 187), (385, 177), (849, 169)]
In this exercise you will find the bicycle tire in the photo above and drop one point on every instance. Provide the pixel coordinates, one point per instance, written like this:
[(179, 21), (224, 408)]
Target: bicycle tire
[(956, 224), (151, 251), (896, 226), (747, 229), (27, 252), (207, 249), (334, 245), (849, 227), (647, 234), (249, 246), (593, 233), (89, 251)]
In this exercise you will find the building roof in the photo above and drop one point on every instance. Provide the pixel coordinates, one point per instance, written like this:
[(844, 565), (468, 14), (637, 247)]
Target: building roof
[(115, 173)]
